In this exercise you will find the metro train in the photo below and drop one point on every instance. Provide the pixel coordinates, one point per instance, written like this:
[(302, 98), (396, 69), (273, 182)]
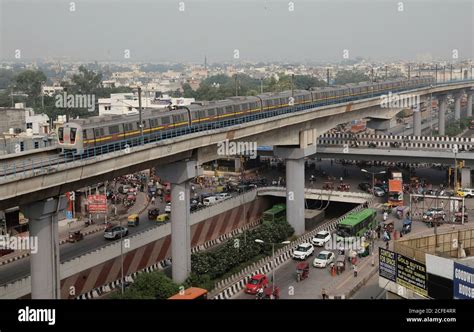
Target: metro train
[(80, 135)]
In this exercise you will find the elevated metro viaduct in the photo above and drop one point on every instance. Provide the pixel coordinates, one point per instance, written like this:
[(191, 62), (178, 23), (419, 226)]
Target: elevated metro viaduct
[(294, 134)]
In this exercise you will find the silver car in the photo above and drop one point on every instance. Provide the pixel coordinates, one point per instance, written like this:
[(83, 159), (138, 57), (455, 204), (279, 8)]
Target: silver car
[(115, 232)]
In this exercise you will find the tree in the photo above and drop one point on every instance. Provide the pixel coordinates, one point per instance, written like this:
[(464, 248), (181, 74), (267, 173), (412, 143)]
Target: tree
[(153, 285), (30, 82), (350, 76), (87, 81)]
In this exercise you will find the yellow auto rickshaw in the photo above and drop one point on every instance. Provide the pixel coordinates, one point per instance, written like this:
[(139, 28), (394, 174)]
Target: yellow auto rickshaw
[(163, 217), (133, 220)]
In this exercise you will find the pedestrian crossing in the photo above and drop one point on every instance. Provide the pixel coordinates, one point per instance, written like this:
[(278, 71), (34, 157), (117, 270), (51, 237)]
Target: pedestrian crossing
[(377, 205)]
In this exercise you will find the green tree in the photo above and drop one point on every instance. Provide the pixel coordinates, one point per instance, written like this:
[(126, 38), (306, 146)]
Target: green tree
[(153, 285), (86, 82), (30, 82), (350, 76)]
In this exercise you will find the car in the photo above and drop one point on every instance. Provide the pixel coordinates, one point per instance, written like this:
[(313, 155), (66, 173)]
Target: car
[(379, 192), (465, 192), (324, 259), (434, 213), (223, 196), (321, 238), (257, 282), (115, 232), (365, 186), (303, 251), (168, 208)]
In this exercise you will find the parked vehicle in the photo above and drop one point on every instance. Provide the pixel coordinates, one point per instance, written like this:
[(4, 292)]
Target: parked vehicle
[(257, 282), (303, 251), (406, 228), (115, 232), (321, 238), (324, 259), (434, 215), (168, 208)]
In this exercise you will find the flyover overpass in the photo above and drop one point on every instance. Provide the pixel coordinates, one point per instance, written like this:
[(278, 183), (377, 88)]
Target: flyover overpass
[(293, 130)]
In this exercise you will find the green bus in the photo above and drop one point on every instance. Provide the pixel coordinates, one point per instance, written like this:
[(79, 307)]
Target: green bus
[(278, 211), (357, 223)]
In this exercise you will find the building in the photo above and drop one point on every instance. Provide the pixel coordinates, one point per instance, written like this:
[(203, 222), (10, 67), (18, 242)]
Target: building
[(127, 103), (38, 123), (13, 120)]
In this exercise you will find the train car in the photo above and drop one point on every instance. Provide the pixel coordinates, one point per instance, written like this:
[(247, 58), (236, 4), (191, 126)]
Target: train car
[(99, 133)]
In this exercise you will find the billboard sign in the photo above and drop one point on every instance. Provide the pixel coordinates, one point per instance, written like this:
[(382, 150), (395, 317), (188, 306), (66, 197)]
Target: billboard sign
[(403, 271), (97, 203), (463, 282)]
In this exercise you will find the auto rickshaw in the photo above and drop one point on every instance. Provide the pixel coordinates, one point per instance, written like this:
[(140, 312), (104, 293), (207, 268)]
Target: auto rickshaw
[(75, 236), (163, 217), (133, 220), (406, 228), (344, 187), (271, 293), (340, 264), (302, 271), (328, 186)]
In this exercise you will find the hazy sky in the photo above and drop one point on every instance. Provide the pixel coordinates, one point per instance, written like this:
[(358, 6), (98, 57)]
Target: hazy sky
[(261, 30)]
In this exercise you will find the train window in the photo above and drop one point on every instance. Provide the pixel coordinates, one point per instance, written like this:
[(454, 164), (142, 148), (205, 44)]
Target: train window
[(128, 126), (72, 135), (165, 120), (61, 134), (220, 111), (36, 145), (244, 106), (114, 129), (84, 134), (229, 109), (177, 118), (211, 112), (202, 114)]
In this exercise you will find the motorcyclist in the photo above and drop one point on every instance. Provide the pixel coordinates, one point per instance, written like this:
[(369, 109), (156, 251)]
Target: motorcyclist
[(385, 216)]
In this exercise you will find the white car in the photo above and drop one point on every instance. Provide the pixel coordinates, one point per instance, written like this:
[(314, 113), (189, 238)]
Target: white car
[(303, 251), (324, 259), (321, 238), (223, 196), (168, 208)]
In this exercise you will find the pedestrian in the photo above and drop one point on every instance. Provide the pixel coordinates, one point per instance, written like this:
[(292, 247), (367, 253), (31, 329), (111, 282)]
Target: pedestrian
[(355, 271), (386, 245), (373, 259), (153, 200), (323, 293)]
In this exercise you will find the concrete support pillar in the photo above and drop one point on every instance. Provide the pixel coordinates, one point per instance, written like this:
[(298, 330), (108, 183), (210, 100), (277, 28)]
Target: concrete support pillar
[(295, 190), (469, 103), (442, 100), (179, 174), (417, 121), (466, 177), (237, 164), (43, 227), (457, 106)]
